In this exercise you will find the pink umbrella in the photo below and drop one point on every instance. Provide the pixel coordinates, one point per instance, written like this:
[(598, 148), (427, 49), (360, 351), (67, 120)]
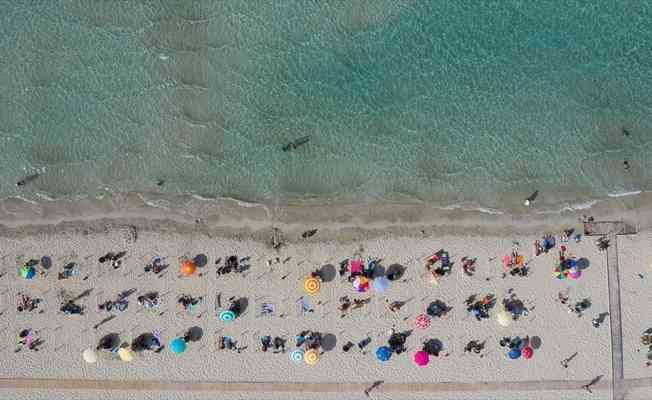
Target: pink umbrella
[(356, 267), (423, 321), (527, 352), (421, 358)]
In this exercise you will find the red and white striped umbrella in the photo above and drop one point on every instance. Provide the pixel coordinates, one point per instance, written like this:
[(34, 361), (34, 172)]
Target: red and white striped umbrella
[(423, 321)]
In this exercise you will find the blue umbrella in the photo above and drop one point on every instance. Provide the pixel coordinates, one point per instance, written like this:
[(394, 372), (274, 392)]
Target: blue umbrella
[(381, 284), (178, 346), (514, 353), (383, 353)]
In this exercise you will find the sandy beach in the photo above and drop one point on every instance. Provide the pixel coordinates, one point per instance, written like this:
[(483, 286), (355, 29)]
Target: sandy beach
[(280, 283)]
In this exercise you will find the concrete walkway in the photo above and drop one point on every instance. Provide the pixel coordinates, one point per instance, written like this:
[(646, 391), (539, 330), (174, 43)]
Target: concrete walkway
[(301, 387), (610, 230)]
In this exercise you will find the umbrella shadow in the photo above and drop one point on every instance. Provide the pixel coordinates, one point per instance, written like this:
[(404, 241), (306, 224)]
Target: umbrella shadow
[(46, 262), (535, 342), (328, 342), (143, 342), (109, 341), (583, 263), (200, 260), (433, 346), (395, 272), (438, 309), (194, 334), (242, 304), (328, 272)]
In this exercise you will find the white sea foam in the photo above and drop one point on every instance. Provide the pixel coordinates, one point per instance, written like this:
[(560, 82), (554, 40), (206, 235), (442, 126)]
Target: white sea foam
[(624, 194)]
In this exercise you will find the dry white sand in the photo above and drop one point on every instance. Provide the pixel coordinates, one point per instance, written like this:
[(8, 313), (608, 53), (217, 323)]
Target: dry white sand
[(561, 333)]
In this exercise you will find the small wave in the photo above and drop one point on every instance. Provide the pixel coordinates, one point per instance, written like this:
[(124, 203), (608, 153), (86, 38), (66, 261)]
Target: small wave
[(623, 194), (472, 208), (572, 207)]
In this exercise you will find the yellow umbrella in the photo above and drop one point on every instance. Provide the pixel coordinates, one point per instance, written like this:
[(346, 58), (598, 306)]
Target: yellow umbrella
[(311, 285), (125, 354), (90, 356), (311, 357), (503, 318)]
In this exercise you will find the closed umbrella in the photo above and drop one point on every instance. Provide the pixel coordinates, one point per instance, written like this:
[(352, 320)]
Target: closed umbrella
[(311, 357), (90, 356), (125, 354), (297, 356), (503, 318), (383, 353), (514, 353), (311, 286), (178, 346), (421, 358), (381, 284)]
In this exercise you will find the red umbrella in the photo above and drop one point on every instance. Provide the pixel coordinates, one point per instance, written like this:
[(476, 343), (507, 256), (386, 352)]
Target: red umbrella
[(421, 358), (527, 352), (423, 321)]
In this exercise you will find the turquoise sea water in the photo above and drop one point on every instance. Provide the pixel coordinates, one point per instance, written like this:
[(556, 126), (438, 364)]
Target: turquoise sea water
[(445, 101)]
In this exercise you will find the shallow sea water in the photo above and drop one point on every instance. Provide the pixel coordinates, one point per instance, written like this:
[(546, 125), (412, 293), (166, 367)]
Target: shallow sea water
[(444, 101)]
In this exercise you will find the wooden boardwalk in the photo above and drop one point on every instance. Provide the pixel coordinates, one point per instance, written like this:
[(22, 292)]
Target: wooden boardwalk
[(610, 230)]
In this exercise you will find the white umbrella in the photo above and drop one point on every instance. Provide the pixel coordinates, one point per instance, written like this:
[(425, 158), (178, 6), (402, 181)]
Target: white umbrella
[(90, 356), (503, 318)]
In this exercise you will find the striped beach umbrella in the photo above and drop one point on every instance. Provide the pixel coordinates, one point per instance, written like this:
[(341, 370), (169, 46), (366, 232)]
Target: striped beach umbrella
[(297, 356), (311, 357), (311, 286), (227, 316)]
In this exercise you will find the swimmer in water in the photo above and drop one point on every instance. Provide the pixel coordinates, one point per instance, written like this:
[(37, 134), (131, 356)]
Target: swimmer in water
[(27, 180), (296, 143)]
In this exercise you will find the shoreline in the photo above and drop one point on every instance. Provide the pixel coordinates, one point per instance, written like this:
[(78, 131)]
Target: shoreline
[(335, 220)]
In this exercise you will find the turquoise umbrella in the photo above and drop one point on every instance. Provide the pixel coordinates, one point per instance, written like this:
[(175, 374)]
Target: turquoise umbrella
[(227, 316), (178, 345)]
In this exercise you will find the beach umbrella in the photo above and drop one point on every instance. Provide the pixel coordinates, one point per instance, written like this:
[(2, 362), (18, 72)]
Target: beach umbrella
[(27, 272), (514, 353), (90, 356), (383, 353), (421, 358), (311, 357), (527, 352), (227, 316), (188, 268), (311, 286), (178, 346), (125, 354), (422, 321), (503, 318), (297, 356), (361, 284), (381, 284)]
